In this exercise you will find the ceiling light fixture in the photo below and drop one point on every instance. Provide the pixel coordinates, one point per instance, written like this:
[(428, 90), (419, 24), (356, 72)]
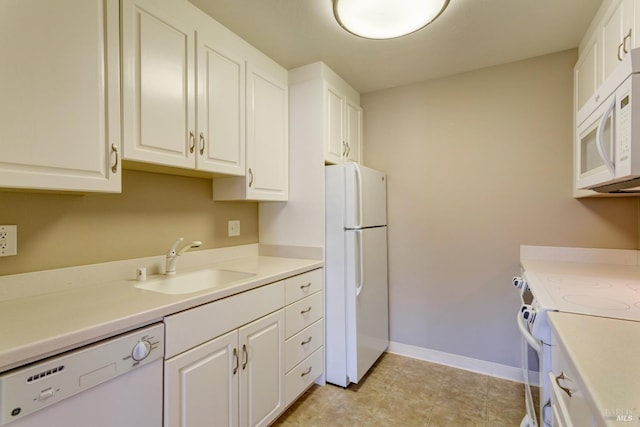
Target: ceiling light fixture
[(386, 19)]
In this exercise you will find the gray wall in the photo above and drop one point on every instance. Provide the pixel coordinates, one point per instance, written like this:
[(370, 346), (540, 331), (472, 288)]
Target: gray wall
[(478, 164)]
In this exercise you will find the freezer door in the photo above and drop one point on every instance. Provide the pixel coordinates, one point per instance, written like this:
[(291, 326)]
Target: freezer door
[(366, 299), (365, 197)]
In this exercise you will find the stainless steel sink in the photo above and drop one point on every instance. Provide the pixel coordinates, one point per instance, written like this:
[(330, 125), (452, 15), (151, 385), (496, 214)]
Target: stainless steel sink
[(192, 281)]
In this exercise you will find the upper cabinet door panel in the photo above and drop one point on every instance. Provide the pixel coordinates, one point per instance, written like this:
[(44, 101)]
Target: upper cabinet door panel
[(335, 144), (159, 85), (267, 138), (221, 107), (354, 132), (59, 108)]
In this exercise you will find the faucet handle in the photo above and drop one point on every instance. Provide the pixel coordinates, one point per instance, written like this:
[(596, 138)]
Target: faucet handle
[(172, 250)]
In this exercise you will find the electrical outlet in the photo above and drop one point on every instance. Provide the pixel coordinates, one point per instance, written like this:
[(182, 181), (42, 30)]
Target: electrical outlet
[(8, 240), (234, 228)]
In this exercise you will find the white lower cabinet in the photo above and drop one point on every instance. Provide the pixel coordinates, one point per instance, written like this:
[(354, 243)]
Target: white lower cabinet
[(568, 402), (241, 360), (233, 380), (304, 347)]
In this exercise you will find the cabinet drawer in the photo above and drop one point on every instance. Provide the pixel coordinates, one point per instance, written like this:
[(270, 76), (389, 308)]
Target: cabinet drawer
[(192, 327), (302, 344), (303, 313), (303, 375), (302, 285)]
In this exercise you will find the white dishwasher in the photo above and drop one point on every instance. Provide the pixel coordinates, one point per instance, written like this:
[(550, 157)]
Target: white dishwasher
[(113, 383)]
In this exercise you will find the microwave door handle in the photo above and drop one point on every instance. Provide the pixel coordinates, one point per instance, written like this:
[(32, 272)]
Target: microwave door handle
[(600, 139), (533, 342)]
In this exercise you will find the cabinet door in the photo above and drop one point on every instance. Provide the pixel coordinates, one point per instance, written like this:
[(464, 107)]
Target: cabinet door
[(616, 35), (267, 136), (221, 107), (60, 102), (353, 132), (158, 80), (335, 147), (201, 385), (586, 74), (262, 370)]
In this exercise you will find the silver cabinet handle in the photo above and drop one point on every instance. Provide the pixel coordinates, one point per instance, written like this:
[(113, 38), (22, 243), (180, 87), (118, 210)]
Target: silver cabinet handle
[(192, 141), (307, 341), (624, 41), (305, 311), (237, 360), (303, 287), (344, 149), (201, 143), (250, 177), (562, 376), (619, 47), (245, 356), (306, 373), (114, 148), (348, 149)]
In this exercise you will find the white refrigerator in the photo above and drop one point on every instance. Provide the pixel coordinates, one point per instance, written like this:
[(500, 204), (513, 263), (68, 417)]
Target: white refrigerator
[(357, 314)]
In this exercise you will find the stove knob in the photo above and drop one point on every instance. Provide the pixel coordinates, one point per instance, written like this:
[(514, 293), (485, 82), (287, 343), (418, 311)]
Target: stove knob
[(518, 282), (529, 315), (141, 350)]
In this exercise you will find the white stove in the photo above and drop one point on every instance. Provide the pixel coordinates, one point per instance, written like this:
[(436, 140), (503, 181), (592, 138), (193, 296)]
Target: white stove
[(617, 298), (604, 297)]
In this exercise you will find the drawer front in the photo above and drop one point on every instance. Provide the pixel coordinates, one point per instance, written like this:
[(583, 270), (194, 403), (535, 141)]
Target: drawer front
[(302, 344), (574, 409), (303, 313), (193, 327), (302, 285), (301, 377)]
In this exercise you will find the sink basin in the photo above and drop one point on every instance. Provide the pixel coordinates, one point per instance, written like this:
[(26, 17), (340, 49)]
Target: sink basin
[(193, 281)]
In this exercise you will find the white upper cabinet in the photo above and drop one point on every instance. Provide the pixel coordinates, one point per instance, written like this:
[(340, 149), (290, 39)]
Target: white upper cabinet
[(164, 86), (60, 103), (158, 84), (267, 141), (586, 73), (221, 106), (617, 35), (335, 145), (331, 111), (353, 131)]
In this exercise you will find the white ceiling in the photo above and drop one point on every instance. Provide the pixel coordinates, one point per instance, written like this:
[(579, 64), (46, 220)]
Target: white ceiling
[(470, 34)]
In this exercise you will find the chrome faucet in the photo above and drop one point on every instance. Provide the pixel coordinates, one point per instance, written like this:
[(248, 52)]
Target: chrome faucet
[(172, 255)]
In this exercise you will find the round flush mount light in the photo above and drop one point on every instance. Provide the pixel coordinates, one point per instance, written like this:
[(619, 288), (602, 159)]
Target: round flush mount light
[(386, 19)]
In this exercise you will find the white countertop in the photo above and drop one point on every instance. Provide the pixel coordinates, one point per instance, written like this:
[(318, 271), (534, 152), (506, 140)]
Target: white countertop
[(44, 313), (606, 355)]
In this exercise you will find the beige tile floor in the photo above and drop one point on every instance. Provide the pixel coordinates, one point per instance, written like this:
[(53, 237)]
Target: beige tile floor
[(405, 392)]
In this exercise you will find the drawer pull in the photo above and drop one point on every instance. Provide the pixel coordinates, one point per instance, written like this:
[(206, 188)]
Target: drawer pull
[(303, 312), (565, 389), (303, 287), (307, 341), (306, 373)]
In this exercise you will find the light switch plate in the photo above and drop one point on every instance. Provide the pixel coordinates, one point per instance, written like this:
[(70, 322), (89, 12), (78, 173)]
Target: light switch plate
[(234, 228), (8, 240)]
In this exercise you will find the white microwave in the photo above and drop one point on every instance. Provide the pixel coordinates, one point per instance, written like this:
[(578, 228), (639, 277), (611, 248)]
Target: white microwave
[(607, 148)]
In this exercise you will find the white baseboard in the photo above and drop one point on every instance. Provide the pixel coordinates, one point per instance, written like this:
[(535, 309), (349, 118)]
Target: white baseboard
[(461, 362)]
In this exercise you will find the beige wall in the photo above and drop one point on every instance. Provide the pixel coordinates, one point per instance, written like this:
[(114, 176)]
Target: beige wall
[(477, 165), (151, 212)]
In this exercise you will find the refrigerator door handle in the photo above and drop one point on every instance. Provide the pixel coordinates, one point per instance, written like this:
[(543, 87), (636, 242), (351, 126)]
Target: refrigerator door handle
[(359, 196), (359, 264)]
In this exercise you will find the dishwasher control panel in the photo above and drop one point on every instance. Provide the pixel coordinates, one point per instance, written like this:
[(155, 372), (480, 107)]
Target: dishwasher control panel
[(40, 384)]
